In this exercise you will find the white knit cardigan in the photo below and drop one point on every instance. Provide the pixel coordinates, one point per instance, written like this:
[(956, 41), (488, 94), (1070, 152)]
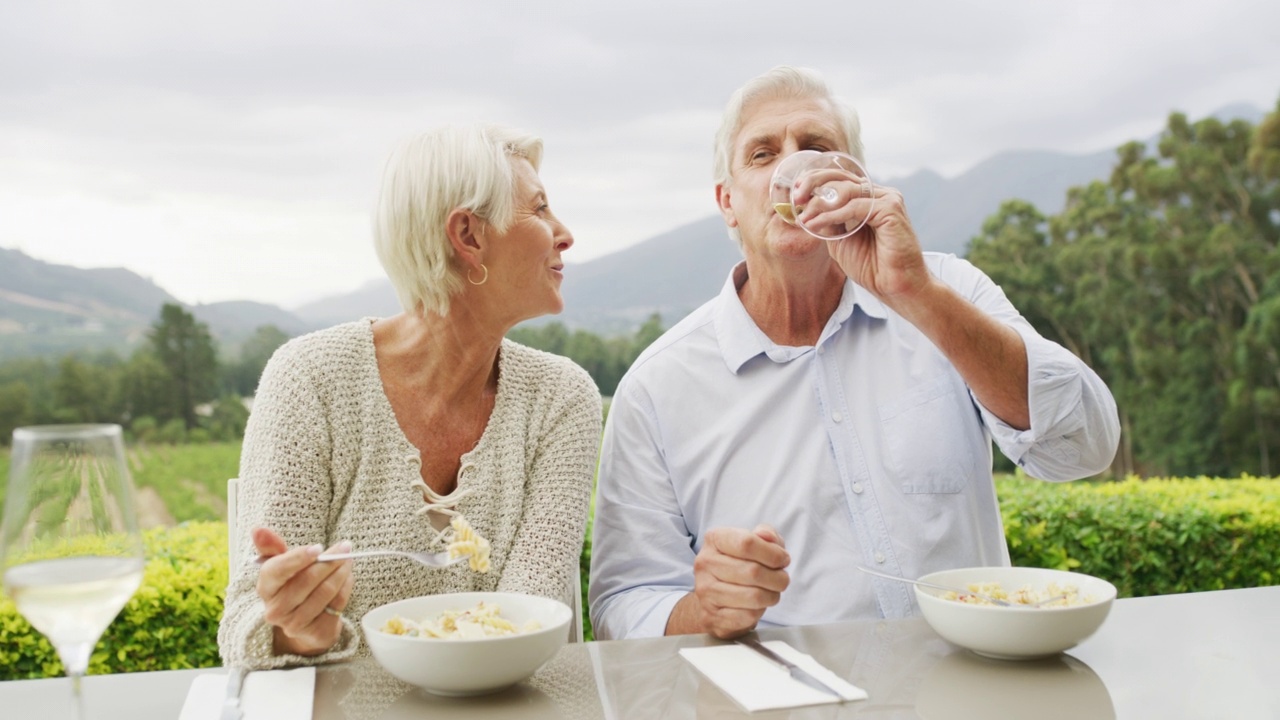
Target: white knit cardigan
[(324, 460)]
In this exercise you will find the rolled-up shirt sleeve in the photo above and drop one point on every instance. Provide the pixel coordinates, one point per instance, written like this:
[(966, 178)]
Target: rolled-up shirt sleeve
[(641, 548), (1075, 428)]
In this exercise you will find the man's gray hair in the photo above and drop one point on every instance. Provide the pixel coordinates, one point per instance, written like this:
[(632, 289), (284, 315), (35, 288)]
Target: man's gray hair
[(425, 179), (781, 82)]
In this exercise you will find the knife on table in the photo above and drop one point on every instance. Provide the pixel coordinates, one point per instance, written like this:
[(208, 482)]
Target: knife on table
[(796, 671), (231, 704)]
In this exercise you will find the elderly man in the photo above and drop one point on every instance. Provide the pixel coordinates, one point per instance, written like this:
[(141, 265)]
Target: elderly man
[(834, 406)]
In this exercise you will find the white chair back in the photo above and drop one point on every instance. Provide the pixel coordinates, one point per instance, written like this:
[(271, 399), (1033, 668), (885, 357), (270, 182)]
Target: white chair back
[(576, 634), (233, 508)]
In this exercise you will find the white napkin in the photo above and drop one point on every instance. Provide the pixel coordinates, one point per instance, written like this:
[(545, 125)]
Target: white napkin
[(266, 695), (756, 683)]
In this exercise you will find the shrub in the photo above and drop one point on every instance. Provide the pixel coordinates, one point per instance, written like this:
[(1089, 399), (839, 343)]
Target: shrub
[(144, 428), (173, 432), (1149, 537), (170, 623), (1146, 536)]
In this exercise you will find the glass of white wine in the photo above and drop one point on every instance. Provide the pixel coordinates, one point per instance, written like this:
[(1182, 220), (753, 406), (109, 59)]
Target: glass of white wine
[(836, 184), (69, 544)]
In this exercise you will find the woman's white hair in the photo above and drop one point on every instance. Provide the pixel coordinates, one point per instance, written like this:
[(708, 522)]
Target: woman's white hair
[(425, 179), (781, 82)]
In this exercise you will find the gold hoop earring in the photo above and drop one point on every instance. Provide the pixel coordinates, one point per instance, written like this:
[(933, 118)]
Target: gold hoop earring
[(483, 279)]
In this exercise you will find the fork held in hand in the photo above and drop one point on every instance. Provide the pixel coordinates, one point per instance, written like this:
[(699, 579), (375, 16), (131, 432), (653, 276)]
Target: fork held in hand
[(440, 559)]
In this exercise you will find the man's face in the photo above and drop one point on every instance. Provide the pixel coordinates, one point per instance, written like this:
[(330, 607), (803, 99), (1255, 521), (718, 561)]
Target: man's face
[(772, 130)]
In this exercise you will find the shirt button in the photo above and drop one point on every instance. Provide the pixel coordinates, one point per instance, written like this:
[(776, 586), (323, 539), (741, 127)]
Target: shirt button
[(857, 488), (821, 351), (880, 558), (837, 417)]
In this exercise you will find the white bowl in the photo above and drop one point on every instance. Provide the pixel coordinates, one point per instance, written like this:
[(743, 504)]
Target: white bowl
[(1015, 633), (468, 667)]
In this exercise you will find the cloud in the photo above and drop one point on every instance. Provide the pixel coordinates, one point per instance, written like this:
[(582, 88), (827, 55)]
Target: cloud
[(168, 130)]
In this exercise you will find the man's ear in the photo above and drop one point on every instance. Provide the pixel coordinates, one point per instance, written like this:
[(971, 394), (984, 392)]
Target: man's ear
[(726, 206), (466, 234)]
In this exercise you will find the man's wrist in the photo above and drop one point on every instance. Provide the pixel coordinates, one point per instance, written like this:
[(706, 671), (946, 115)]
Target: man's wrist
[(683, 619)]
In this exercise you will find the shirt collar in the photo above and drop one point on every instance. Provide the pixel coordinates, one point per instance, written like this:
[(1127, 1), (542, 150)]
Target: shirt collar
[(740, 339)]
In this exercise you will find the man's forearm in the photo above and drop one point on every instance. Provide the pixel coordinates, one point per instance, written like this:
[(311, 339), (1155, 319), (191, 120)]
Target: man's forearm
[(990, 356)]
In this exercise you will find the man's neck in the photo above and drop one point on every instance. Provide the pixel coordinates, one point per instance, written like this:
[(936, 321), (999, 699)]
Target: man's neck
[(791, 302)]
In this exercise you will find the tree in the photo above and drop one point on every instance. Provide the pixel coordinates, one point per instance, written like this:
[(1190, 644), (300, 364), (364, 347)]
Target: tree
[(15, 409), (1164, 280), (242, 376), (605, 360), (228, 419), (147, 388), (83, 392), (186, 350)]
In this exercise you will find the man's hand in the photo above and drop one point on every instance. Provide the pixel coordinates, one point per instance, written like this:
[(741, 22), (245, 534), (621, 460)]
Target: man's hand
[(738, 574), (296, 590), (884, 256)]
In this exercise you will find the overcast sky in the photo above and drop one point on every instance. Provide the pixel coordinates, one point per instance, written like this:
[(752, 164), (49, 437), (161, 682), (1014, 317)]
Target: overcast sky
[(231, 150)]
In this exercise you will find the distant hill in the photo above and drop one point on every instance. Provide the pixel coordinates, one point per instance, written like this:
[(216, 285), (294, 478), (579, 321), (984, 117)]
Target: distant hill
[(947, 213), (374, 298), (48, 309), (675, 272), (670, 274)]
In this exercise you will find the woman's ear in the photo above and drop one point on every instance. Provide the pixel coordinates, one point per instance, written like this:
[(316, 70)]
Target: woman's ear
[(466, 234)]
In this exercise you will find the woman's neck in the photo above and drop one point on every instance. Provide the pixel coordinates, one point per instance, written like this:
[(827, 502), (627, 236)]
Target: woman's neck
[(453, 359)]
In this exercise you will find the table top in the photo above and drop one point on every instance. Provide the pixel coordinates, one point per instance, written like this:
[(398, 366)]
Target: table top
[(1197, 655)]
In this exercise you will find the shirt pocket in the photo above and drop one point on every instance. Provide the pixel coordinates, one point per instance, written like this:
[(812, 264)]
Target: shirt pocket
[(928, 437)]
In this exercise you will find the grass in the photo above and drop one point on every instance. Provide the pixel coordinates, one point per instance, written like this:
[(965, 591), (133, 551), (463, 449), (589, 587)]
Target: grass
[(190, 479)]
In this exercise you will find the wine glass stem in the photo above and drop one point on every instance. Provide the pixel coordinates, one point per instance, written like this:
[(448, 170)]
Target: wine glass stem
[(76, 694)]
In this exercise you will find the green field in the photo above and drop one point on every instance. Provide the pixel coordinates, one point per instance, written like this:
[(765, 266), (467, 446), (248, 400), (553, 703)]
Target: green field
[(175, 483)]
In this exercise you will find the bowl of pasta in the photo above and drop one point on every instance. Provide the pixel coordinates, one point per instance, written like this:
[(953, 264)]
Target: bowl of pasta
[(468, 643), (1048, 611)]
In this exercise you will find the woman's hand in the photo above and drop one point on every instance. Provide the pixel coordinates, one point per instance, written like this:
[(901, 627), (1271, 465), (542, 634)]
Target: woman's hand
[(303, 598)]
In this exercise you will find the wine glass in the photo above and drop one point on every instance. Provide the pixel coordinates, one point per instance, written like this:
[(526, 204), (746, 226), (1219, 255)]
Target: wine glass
[(835, 183), (69, 544)]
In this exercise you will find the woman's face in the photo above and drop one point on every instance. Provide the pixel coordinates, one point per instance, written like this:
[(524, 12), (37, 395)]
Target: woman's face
[(525, 267)]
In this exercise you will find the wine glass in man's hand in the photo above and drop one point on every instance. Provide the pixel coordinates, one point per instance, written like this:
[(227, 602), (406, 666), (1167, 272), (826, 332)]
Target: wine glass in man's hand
[(827, 194)]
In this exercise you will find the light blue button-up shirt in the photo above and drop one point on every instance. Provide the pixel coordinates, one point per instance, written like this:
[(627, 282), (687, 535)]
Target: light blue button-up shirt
[(867, 448)]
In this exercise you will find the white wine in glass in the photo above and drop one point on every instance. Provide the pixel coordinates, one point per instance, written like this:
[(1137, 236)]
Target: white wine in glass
[(833, 182), (69, 543)]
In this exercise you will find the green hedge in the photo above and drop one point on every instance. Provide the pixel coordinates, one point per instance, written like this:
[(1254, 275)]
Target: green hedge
[(169, 624), (1147, 536)]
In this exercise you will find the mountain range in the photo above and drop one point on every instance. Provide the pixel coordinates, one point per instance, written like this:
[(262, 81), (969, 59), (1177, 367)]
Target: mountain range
[(48, 309), (674, 272)]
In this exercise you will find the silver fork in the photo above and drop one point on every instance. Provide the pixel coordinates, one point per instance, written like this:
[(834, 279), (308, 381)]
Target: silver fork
[(921, 583), (440, 559)]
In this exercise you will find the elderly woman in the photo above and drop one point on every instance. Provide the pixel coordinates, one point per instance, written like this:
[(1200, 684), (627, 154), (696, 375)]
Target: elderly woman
[(357, 428)]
